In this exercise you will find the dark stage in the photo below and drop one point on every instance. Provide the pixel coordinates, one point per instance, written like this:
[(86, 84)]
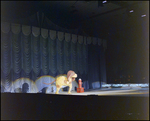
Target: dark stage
[(104, 44), (98, 104)]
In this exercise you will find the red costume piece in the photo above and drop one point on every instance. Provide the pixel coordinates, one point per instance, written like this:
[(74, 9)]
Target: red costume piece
[(80, 89)]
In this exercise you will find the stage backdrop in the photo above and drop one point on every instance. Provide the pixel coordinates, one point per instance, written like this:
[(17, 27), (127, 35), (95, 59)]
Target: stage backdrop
[(29, 54)]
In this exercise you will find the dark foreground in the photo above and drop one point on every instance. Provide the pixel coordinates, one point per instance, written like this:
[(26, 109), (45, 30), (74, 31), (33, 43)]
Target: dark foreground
[(49, 106)]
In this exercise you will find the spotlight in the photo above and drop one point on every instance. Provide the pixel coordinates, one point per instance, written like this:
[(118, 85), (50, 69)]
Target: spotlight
[(131, 11), (101, 2), (143, 15), (104, 1)]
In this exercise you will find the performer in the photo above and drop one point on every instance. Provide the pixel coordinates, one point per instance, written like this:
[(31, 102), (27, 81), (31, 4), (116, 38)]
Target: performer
[(64, 81)]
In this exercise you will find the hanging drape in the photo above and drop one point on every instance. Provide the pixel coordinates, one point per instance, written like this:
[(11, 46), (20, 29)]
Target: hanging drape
[(40, 47), (94, 72), (28, 53)]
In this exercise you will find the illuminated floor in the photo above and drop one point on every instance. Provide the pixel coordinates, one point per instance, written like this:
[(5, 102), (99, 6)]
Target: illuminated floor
[(113, 92)]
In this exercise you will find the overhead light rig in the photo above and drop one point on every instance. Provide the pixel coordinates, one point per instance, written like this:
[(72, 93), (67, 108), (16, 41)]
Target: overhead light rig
[(120, 3), (101, 3)]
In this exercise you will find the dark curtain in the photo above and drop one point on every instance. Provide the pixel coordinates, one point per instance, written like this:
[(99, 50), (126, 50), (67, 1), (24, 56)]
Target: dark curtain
[(96, 66), (29, 55)]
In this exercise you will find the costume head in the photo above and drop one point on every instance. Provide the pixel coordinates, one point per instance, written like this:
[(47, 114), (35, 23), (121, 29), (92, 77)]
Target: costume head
[(71, 75)]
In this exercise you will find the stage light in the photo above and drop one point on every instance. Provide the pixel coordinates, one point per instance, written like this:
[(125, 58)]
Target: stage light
[(106, 85), (143, 15), (18, 83), (104, 1), (144, 85), (101, 2), (125, 85), (117, 85), (131, 11), (133, 85)]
